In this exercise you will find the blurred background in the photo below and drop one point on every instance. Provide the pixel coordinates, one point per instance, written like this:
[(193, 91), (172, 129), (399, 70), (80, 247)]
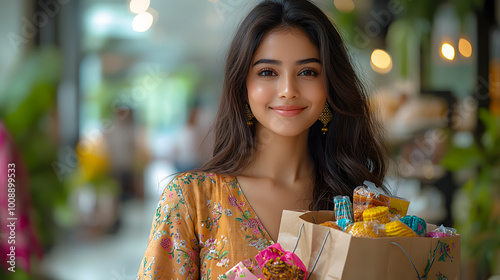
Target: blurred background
[(100, 101)]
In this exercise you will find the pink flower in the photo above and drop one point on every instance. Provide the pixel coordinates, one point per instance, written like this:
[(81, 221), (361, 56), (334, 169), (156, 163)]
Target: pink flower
[(233, 201), (209, 242), (192, 255), (223, 262), (253, 223), (166, 243)]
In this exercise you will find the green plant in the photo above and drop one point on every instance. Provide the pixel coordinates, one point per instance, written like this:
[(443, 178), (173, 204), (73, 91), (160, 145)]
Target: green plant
[(27, 107), (479, 222)]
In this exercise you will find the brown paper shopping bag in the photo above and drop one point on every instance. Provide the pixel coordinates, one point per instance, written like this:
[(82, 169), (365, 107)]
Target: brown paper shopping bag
[(332, 254)]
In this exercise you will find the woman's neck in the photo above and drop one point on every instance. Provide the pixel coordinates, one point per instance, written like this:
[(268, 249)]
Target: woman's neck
[(283, 159)]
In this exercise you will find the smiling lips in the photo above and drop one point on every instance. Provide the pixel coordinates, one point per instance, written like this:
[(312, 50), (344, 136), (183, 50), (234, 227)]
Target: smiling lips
[(288, 111)]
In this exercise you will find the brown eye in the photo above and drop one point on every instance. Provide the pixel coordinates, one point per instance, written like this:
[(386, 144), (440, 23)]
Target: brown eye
[(308, 72), (266, 73)]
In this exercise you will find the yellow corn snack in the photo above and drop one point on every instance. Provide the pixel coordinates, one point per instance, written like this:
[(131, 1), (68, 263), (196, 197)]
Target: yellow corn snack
[(399, 229), (378, 213), (365, 229)]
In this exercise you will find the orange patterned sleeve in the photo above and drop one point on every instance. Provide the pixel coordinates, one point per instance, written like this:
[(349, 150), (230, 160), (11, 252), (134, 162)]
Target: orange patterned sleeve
[(173, 249)]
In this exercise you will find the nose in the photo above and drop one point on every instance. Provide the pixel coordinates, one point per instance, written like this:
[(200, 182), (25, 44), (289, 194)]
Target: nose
[(287, 87)]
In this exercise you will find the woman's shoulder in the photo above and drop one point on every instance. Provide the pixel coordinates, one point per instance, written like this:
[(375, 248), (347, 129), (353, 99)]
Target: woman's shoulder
[(197, 187), (205, 179)]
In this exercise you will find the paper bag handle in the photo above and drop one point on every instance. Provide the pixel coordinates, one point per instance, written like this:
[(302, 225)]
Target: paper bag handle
[(429, 264), (298, 238), (320, 250)]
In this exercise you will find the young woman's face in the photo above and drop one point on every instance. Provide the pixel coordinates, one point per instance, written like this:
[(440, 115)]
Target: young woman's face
[(286, 88)]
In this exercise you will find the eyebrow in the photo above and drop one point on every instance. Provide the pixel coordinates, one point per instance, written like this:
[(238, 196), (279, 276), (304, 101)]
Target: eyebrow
[(277, 62)]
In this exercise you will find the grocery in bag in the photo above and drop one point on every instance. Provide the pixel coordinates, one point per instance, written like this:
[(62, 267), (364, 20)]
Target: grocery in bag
[(378, 242)]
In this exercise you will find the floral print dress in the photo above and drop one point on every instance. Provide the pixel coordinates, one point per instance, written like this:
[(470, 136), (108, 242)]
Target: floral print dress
[(203, 226)]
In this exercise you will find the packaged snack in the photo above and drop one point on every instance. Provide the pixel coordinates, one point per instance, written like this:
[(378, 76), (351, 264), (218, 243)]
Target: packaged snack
[(331, 224), (442, 231), (343, 211), (417, 224), (399, 229), (377, 213), (366, 229), (273, 263), (277, 263), (398, 206), (367, 196), (343, 207), (343, 223), (394, 217)]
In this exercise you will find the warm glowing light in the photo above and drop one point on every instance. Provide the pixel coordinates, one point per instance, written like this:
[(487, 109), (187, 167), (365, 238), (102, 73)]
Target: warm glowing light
[(448, 51), (345, 6), (464, 47), (142, 22), (381, 61), (139, 6)]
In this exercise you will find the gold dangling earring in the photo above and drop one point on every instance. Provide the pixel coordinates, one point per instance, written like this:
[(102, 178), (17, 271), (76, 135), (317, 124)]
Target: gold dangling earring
[(250, 116), (325, 117)]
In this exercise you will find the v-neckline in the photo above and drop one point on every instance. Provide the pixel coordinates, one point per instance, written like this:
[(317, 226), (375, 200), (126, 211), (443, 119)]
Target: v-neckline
[(254, 214)]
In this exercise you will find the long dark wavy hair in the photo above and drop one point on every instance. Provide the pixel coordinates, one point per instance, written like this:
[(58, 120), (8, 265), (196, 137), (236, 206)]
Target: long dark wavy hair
[(350, 152)]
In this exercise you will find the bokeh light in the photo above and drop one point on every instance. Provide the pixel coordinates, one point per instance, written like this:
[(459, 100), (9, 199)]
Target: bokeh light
[(142, 22), (381, 61), (448, 51), (345, 6), (139, 6), (464, 47)]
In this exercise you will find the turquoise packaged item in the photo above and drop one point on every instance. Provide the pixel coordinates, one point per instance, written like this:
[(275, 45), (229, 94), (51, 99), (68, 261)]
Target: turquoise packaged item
[(343, 223), (417, 224), (343, 211)]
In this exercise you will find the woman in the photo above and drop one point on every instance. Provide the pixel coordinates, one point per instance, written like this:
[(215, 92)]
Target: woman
[(293, 131)]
